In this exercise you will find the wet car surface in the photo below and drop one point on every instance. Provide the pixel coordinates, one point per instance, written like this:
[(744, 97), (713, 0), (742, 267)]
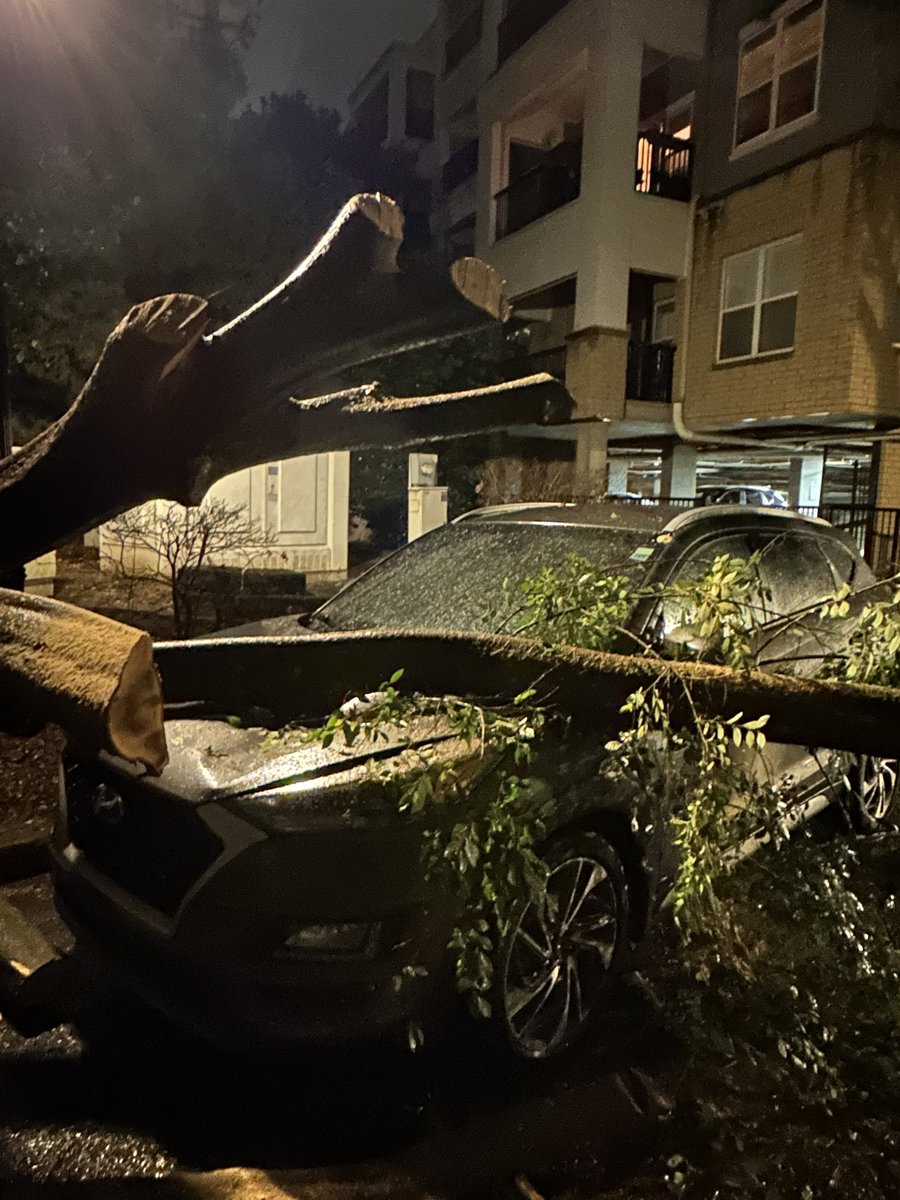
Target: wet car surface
[(278, 897)]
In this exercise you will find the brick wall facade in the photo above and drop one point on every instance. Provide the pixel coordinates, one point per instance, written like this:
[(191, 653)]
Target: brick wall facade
[(888, 495), (846, 204)]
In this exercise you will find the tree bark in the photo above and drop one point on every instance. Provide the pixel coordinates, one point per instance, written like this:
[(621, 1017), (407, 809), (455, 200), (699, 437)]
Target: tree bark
[(94, 677), (171, 408), (315, 673)]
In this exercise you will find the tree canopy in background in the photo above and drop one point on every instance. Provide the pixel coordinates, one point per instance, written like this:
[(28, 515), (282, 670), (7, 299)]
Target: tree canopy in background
[(131, 174)]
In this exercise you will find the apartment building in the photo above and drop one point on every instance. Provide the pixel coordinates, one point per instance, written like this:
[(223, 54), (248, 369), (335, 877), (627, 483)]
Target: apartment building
[(564, 133), (394, 104), (696, 206), (791, 328)]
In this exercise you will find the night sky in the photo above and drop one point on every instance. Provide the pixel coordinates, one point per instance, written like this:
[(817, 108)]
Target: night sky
[(325, 46)]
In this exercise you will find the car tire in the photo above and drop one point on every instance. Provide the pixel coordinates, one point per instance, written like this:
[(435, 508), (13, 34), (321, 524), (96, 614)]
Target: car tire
[(870, 790), (563, 955)]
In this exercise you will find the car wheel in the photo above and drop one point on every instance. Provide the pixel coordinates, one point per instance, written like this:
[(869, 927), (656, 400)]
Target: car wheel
[(871, 785), (564, 950)]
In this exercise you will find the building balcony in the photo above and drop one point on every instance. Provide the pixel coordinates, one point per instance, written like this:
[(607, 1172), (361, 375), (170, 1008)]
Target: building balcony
[(550, 362), (463, 40), (551, 184), (664, 166), (649, 371), (522, 21), (460, 166)]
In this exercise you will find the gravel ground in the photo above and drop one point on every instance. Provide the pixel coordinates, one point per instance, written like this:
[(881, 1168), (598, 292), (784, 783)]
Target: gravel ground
[(29, 784)]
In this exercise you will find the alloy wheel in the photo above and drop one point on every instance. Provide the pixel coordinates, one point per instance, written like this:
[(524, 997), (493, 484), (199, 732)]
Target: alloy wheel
[(560, 954), (874, 785)]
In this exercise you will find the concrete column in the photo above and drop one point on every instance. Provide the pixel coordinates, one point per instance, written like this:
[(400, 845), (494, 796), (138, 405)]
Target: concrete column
[(492, 173), (612, 103), (805, 481), (591, 459), (678, 477), (617, 476)]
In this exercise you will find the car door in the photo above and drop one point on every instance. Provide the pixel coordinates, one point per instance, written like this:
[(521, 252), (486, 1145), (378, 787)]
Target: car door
[(793, 574), (798, 577)]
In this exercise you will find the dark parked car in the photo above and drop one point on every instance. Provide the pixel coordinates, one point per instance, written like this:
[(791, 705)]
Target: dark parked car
[(275, 895)]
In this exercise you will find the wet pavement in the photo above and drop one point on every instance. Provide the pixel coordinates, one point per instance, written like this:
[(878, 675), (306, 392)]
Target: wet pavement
[(129, 1098)]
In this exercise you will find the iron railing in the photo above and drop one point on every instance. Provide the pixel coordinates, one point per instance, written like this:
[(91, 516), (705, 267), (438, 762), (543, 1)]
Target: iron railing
[(664, 166), (522, 21), (460, 166), (552, 362), (551, 184), (463, 40), (876, 531), (649, 371)]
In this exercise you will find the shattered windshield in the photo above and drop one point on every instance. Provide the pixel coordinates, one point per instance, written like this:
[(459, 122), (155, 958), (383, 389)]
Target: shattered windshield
[(454, 578)]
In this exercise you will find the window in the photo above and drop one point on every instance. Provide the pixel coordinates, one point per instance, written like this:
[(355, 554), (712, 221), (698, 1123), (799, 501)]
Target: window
[(796, 573), (678, 614), (778, 73), (759, 300), (664, 321)]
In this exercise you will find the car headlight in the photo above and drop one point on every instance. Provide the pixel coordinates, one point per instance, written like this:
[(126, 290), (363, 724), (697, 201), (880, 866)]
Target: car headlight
[(340, 938)]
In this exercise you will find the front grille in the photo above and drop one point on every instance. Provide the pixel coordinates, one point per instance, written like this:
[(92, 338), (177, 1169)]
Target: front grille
[(154, 846)]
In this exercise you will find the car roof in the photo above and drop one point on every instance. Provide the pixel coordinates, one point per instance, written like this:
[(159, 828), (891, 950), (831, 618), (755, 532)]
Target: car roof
[(618, 515)]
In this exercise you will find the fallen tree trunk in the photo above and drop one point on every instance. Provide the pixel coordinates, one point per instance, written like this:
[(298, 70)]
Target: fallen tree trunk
[(171, 408), (94, 677), (315, 673)]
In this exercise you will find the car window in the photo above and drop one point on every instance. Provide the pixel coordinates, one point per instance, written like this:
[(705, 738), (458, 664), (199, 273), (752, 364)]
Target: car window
[(694, 566), (454, 578), (795, 572), (848, 567)]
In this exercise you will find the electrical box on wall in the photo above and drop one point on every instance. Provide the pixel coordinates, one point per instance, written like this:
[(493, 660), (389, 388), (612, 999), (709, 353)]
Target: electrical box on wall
[(423, 470)]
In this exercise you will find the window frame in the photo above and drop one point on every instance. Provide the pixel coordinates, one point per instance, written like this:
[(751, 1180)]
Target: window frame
[(774, 132), (758, 301), (668, 303)]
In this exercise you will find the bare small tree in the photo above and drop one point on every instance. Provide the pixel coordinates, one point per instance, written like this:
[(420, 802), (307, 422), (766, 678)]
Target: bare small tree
[(513, 479), (181, 546)]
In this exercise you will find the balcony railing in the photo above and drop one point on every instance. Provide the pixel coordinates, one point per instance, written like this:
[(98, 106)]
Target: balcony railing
[(664, 166), (648, 375), (522, 21), (460, 166), (551, 184), (463, 40), (553, 362)]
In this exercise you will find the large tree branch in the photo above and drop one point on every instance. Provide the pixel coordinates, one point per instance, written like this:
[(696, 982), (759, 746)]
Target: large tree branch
[(169, 409), (314, 674)]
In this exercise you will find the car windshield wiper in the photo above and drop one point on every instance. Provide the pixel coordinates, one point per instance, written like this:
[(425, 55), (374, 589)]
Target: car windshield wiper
[(318, 622)]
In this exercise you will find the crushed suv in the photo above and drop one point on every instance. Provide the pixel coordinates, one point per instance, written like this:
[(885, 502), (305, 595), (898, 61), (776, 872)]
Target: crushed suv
[(274, 897)]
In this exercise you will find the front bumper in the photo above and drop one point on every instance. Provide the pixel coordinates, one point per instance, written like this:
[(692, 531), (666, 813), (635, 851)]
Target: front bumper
[(212, 967)]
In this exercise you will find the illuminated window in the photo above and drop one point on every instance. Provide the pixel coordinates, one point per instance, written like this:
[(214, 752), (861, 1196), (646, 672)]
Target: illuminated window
[(759, 300), (778, 73)]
